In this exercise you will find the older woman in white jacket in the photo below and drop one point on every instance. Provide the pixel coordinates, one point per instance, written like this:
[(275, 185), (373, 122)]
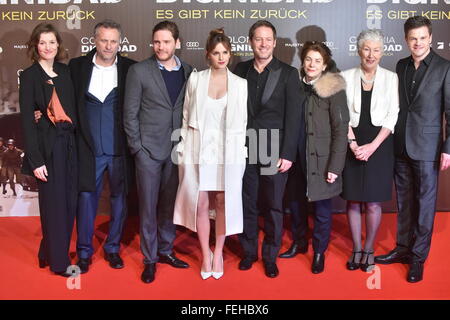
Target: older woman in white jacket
[(372, 96)]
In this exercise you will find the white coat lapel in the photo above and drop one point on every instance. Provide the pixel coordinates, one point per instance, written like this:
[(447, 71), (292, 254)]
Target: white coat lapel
[(357, 91), (232, 92), (378, 86), (202, 93)]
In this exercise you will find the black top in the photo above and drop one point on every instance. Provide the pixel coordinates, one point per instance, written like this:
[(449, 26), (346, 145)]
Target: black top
[(256, 84), (281, 105), (414, 76)]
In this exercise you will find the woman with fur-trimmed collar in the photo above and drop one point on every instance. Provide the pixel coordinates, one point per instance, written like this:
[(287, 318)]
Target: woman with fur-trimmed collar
[(321, 156)]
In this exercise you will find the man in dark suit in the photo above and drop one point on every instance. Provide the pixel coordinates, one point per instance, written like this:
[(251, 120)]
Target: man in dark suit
[(274, 106), (99, 82), (424, 90), (153, 110)]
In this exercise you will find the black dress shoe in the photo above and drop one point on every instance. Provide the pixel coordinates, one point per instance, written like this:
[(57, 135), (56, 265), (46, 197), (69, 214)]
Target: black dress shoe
[(415, 273), (295, 249), (395, 256), (173, 261), (270, 269), (148, 275), (83, 264), (246, 263), (318, 263), (114, 259)]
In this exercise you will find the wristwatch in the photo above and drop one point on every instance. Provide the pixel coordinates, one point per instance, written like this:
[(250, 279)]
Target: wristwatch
[(351, 140)]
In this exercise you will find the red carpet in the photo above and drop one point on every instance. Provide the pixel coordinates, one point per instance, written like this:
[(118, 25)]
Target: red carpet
[(20, 277)]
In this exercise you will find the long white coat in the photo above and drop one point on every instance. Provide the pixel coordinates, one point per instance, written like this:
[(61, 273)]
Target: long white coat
[(188, 151)]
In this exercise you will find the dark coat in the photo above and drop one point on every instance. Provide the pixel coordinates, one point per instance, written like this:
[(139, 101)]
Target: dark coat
[(419, 126), (81, 71), (281, 106), (327, 121), (35, 94)]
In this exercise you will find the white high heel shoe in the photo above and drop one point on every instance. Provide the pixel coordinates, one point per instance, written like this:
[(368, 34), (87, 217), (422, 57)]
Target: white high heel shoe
[(206, 274), (218, 275)]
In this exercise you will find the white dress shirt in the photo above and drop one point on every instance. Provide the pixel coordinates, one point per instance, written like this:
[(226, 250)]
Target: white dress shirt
[(103, 80)]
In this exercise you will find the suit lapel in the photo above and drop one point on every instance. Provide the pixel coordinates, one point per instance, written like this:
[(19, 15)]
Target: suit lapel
[(272, 81), (186, 76), (405, 87), (159, 80)]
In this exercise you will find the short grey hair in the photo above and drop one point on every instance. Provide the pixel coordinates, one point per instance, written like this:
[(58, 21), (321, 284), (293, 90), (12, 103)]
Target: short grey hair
[(370, 34), (108, 24)]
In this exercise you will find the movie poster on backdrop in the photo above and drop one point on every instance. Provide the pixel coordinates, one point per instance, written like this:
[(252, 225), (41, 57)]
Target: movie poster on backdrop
[(334, 22)]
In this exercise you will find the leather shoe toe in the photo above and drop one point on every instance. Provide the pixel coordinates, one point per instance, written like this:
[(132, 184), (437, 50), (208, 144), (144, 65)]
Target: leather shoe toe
[(246, 263), (271, 269), (318, 264), (148, 275), (172, 260), (83, 264), (395, 256), (415, 273), (295, 249), (115, 261)]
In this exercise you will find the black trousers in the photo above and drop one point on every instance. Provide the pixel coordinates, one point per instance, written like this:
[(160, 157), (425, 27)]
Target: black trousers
[(58, 200), (157, 183), (416, 185), (298, 204), (270, 189)]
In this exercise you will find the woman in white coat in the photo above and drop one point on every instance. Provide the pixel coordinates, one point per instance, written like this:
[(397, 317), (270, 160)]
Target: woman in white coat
[(212, 153), (372, 94)]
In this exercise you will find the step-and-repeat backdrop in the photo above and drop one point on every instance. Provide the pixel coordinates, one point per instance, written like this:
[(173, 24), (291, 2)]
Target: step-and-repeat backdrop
[(335, 22)]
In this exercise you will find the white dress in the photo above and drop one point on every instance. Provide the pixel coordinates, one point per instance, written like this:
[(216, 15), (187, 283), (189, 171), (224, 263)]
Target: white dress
[(211, 166)]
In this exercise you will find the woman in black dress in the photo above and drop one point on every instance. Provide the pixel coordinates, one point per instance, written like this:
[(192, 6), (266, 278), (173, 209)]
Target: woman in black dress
[(50, 150), (372, 94)]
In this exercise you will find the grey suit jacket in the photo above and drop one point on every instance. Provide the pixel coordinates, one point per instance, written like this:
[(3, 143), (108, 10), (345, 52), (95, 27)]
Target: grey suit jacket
[(149, 117), (419, 128)]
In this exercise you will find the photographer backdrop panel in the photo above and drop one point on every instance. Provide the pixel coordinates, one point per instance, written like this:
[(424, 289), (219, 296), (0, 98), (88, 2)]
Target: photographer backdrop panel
[(336, 22)]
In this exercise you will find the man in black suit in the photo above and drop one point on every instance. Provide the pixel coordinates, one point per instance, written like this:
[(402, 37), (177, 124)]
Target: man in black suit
[(424, 90), (274, 106), (99, 82)]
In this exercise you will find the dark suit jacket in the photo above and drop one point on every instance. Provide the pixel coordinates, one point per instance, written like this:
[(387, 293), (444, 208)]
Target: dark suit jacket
[(81, 71), (281, 106), (35, 94), (149, 117), (421, 118)]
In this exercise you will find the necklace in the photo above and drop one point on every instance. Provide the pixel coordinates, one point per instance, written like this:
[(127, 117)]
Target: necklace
[(365, 81)]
